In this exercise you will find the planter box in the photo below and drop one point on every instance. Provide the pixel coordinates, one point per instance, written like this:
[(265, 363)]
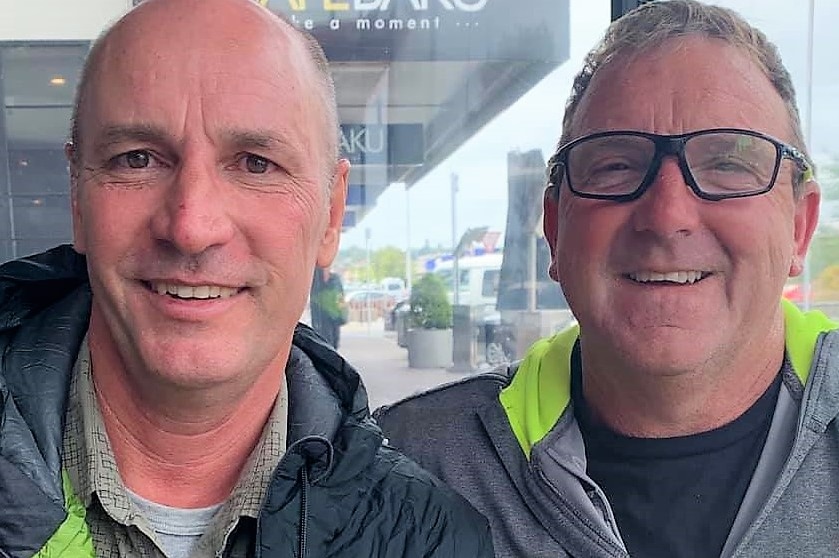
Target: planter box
[(429, 348)]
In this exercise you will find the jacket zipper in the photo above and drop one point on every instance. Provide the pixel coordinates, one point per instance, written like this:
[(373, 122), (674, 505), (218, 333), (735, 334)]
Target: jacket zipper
[(304, 511)]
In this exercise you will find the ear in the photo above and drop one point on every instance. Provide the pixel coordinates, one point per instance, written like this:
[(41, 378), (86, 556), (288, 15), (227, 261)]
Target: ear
[(337, 202), (72, 155), (806, 219), (550, 224)]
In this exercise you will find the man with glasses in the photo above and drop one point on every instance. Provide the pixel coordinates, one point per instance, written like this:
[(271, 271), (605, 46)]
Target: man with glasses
[(692, 413)]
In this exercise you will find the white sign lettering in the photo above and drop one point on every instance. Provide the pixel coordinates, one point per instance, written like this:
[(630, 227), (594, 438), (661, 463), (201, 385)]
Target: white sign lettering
[(363, 139)]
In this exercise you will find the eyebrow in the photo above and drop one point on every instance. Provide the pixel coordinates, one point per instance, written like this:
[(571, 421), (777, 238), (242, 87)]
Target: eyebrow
[(118, 133), (262, 139)]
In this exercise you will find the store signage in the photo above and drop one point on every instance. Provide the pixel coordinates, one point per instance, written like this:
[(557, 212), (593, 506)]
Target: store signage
[(431, 30), (350, 220), (356, 195), (376, 15), (380, 144), (364, 5)]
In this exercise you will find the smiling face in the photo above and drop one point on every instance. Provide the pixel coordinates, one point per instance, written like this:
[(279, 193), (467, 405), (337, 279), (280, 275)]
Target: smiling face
[(199, 198), (670, 283)]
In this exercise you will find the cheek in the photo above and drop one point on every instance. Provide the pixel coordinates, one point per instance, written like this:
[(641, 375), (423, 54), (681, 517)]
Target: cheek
[(287, 231), (763, 238), (587, 232), (110, 222)]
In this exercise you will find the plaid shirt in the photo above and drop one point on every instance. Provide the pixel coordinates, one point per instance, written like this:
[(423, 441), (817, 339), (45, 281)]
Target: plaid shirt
[(117, 528)]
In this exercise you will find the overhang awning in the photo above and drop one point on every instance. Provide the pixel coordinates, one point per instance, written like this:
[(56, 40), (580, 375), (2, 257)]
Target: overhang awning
[(415, 79)]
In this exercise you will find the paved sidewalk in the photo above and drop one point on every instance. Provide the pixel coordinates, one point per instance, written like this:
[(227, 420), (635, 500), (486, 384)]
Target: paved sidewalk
[(384, 365)]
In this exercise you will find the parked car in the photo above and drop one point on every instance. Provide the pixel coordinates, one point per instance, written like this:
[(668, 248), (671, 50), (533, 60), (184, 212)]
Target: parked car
[(362, 296), (374, 301)]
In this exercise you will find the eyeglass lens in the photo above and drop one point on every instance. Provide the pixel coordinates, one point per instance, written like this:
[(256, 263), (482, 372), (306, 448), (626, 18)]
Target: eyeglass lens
[(720, 162)]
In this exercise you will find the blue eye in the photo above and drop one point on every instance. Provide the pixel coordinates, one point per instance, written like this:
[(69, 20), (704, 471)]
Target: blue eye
[(138, 159), (256, 164)]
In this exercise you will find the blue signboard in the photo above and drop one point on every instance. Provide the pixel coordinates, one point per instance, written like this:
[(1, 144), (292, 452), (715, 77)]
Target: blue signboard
[(379, 144), (356, 195)]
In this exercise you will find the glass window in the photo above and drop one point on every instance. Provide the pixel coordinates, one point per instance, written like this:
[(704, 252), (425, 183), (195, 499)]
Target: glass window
[(448, 112), (490, 282), (37, 85), (807, 42)]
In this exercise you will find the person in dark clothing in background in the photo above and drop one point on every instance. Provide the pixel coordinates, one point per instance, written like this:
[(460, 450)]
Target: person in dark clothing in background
[(327, 306)]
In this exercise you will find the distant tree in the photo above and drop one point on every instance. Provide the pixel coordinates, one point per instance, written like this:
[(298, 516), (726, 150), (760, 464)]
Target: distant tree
[(388, 262), (824, 250), (828, 177), (351, 256)]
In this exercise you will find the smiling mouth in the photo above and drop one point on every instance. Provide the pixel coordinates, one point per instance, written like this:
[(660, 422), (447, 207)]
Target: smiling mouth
[(192, 292), (671, 278)]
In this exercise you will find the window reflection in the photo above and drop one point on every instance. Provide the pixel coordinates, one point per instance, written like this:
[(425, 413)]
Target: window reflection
[(38, 83), (418, 106)]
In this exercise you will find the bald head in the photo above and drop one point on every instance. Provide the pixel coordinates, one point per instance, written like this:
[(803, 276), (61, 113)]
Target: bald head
[(184, 29)]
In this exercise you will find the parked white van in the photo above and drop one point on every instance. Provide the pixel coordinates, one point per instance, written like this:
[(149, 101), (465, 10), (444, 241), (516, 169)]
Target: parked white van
[(395, 287), (479, 277)]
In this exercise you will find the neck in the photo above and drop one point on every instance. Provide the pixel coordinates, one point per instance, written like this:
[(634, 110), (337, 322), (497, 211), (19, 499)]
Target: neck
[(647, 404), (177, 447)]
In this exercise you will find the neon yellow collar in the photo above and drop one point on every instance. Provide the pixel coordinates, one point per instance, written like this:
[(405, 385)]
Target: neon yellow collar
[(541, 389)]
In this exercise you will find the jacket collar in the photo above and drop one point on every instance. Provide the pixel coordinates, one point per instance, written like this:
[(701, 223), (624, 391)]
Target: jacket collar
[(31, 284), (541, 389), (328, 370)]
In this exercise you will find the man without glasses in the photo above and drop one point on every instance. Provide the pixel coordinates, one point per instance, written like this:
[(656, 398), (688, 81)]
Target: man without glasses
[(691, 413), (179, 411)]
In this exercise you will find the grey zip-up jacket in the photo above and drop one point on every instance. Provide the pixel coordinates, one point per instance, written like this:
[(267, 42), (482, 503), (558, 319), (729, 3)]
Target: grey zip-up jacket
[(510, 444)]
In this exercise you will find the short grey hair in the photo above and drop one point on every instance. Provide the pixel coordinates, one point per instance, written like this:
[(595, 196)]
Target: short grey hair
[(326, 89), (654, 23)]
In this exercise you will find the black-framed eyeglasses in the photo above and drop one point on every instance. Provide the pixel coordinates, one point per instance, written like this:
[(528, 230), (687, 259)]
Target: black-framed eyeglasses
[(717, 164)]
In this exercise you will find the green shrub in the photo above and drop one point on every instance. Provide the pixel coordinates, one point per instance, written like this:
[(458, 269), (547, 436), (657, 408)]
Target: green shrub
[(430, 307)]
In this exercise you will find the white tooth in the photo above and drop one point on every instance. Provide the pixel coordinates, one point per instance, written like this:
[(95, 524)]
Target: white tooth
[(226, 292), (201, 292), (185, 291), (681, 277)]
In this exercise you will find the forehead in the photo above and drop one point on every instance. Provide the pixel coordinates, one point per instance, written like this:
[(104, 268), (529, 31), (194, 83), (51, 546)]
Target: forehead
[(242, 74), (682, 85)]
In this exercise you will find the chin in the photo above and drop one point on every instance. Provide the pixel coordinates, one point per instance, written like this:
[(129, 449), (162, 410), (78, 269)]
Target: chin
[(672, 359), (190, 363), (666, 348), (194, 375)]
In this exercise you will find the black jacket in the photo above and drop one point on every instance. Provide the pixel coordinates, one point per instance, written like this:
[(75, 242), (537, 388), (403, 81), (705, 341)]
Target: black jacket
[(338, 491)]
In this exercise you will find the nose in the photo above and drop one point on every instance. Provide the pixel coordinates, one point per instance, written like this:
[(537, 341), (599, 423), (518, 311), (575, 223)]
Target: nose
[(669, 207), (195, 211)]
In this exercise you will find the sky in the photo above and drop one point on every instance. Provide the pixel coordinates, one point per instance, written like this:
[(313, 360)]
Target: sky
[(534, 122)]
